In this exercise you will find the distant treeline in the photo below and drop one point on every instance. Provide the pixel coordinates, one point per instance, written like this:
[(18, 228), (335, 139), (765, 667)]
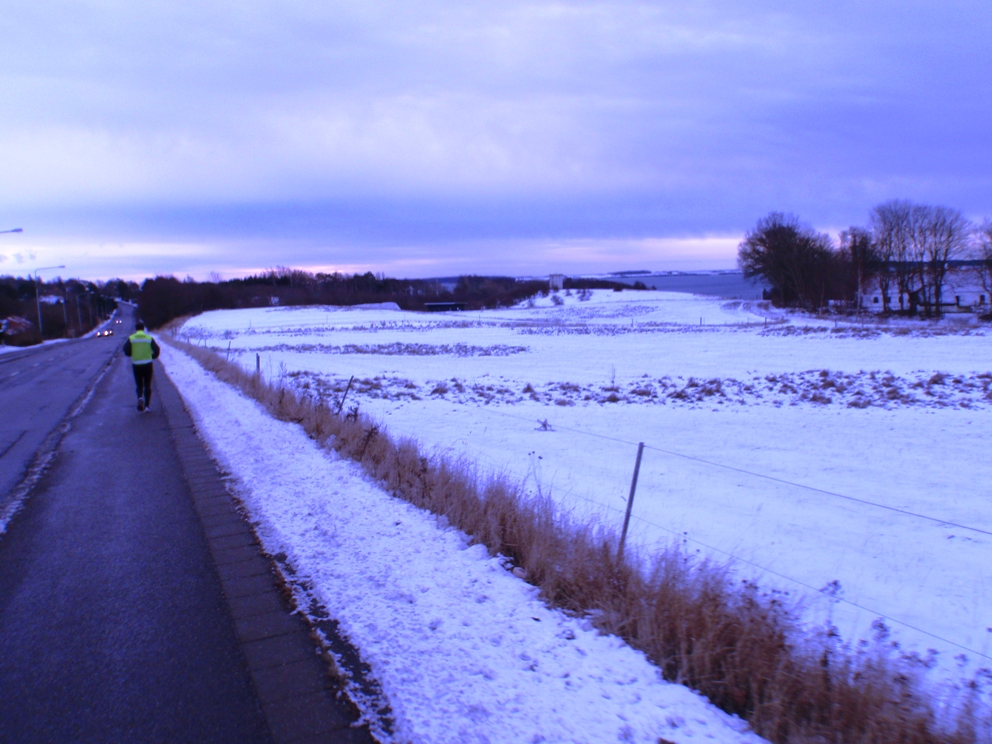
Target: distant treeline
[(164, 298), (68, 308), (581, 283), (905, 251), (73, 307)]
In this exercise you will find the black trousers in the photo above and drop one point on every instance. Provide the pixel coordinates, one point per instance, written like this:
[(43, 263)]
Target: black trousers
[(143, 379)]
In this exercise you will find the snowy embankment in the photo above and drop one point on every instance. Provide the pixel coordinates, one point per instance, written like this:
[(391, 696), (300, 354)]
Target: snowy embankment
[(844, 463), (463, 650)]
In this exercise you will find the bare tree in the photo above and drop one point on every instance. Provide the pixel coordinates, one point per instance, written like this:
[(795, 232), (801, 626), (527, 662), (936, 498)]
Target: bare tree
[(890, 235), (917, 241), (859, 253), (939, 235), (983, 251), (916, 257)]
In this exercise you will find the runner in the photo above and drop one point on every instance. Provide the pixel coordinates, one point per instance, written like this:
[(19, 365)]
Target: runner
[(143, 351)]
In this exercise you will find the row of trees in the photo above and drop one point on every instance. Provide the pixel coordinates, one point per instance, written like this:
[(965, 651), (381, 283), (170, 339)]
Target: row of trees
[(906, 249), (159, 300), (71, 308), (68, 308), (163, 298)]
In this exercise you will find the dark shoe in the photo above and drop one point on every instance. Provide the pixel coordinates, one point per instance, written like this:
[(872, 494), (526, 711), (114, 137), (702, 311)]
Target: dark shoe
[(141, 404)]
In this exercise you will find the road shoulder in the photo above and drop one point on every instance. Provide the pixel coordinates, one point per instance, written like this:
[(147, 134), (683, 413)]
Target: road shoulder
[(300, 698)]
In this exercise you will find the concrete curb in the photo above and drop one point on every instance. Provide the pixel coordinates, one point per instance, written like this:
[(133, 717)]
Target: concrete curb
[(301, 700)]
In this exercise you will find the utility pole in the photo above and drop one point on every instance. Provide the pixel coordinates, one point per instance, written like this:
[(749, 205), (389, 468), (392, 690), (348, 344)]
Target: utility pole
[(65, 309)]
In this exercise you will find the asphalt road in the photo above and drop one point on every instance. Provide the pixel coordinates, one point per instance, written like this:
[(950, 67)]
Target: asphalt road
[(113, 626), (38, 387)]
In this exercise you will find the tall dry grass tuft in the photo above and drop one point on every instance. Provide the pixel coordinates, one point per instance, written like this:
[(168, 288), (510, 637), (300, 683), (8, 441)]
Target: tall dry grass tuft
[(741, 648)]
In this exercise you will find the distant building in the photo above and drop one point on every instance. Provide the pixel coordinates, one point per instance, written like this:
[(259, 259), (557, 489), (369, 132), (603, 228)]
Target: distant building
[(15, 329), (557, 281), (962, 293)]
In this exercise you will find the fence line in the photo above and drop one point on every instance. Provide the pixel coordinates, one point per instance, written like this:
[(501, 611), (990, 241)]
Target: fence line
[(765, 569), (897, 510), (798, 582)]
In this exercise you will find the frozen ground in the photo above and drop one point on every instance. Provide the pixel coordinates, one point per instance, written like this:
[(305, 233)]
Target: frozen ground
[(463, 650), (765, 434)]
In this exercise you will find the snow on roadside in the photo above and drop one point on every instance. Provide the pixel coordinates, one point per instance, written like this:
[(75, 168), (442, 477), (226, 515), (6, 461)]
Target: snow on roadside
[(894, 413), (463, 650)]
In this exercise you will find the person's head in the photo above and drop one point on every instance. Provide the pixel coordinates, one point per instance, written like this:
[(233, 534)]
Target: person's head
[(139, 325)]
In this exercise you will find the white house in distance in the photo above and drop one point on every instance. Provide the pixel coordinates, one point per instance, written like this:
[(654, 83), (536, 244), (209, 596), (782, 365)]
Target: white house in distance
[(556, 282), (962, 293)]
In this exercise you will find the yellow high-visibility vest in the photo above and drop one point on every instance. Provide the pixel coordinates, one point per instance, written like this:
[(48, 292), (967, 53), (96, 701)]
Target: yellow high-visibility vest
[(141, 347)]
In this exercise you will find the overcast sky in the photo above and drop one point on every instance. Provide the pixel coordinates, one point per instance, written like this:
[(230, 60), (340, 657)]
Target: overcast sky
[(434, 138)]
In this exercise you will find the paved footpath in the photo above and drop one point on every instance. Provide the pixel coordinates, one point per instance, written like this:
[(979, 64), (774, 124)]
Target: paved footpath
[(134, 603)]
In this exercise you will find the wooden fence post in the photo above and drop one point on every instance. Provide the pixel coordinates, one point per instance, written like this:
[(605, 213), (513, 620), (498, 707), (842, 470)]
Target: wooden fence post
[(630, 501), (341, 404)]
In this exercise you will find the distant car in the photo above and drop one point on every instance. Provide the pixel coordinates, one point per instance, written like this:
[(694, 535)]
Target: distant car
[(105, 332)]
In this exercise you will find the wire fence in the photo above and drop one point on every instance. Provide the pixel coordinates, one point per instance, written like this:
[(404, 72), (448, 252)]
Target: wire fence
[(837, 550), (771, 478), (901, 556)]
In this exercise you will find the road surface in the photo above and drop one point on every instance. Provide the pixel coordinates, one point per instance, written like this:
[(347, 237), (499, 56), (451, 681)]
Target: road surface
[(38, 387), (116, 624)]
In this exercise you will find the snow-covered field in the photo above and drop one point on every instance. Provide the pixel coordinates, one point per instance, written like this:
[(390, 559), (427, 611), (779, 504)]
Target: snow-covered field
[(463, 650), (844, 463)]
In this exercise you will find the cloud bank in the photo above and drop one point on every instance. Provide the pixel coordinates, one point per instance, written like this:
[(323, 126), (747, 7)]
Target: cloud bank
[(410, 134)]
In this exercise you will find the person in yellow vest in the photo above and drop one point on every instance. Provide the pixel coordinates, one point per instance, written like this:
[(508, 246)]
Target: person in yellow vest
[(143, 351)]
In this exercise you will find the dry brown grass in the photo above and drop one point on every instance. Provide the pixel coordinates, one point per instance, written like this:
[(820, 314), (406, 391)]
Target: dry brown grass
[(738, 646)]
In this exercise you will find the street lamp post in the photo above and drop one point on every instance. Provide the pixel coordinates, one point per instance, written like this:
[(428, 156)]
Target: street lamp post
[(65, 309), (37, 295)]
